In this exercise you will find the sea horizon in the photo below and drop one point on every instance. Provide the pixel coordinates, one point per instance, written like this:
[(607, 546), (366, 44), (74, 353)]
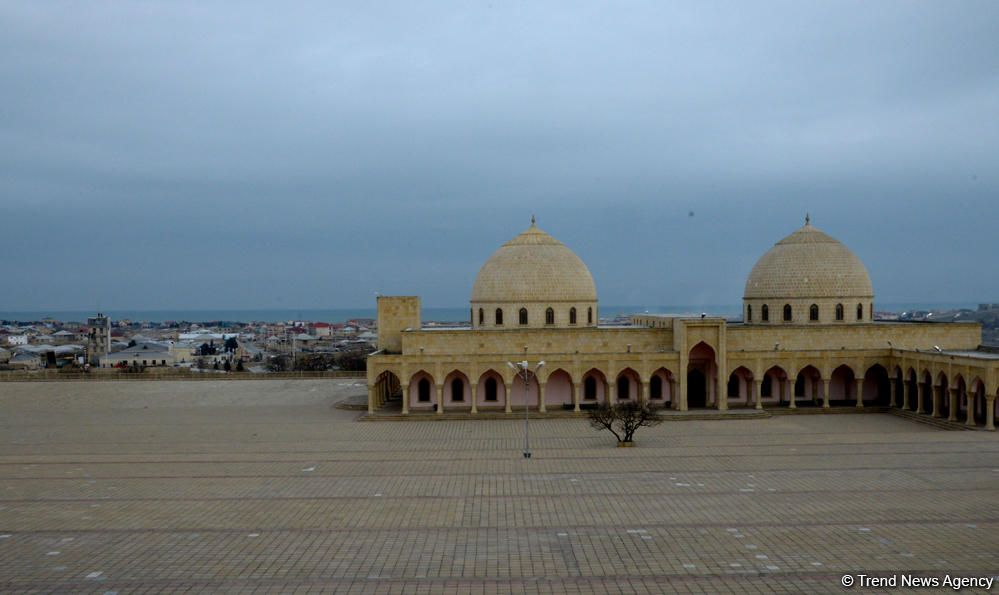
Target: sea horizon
[(429, 314)]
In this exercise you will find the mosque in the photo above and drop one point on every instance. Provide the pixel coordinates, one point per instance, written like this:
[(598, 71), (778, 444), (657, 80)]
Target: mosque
[(807, 338)]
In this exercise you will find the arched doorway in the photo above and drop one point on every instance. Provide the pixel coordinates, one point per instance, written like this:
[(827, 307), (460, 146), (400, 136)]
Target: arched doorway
[(558, 390), (627, 385), (702, 374), (594, 388), (697, 394), (877, 386)]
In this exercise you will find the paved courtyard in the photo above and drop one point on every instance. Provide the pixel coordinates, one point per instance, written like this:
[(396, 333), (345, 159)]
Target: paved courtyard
[(262, 486)]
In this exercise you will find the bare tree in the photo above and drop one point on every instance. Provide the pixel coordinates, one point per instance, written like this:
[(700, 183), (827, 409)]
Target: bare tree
[(623, 419)]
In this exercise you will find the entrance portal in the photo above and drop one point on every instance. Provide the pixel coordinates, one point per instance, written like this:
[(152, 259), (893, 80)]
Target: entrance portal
[(697, 393)]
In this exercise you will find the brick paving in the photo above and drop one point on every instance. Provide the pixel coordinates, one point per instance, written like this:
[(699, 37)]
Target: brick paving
[(211, 486)]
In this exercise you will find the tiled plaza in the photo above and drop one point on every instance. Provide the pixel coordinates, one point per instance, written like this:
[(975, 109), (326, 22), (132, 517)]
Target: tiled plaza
[(262, 486)]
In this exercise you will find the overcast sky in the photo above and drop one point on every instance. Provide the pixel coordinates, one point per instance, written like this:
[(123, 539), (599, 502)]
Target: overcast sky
[(170, 155)]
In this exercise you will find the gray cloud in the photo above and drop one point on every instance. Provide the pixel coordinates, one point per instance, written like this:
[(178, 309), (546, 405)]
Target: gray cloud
[(241, 155)]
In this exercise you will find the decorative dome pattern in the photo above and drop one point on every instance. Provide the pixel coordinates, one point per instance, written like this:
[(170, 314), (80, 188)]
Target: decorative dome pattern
[(808, 264), (534, 267)]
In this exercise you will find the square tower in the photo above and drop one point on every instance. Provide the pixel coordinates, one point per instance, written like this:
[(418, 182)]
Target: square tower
[(98, 338), (396, 314)]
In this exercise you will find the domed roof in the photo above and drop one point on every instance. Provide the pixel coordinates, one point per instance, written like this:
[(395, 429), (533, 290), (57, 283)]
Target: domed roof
[(808, 263), (534, 267)]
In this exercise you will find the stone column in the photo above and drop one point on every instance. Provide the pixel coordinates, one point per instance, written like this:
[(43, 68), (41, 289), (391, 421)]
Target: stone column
[(674, 399), (758, 393), (790, 394), (953, 395), (541, 397), (611, 392), (506, 397), (721, 392), (938, 399), (860, 392), (894, 392), (643, 395), (575, 396), (824, 387), (906, 395), (440, 399), (405, 400), (474, 388), (920, 393), (990, 413), (372, 398), (971, 407)]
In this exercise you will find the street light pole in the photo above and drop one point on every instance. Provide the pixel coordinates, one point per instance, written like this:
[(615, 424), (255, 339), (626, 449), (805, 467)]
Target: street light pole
[(523, 370)]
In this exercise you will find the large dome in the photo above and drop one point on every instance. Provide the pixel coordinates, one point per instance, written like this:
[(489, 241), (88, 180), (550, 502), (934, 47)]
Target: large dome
[(808, 264), (534, 267)]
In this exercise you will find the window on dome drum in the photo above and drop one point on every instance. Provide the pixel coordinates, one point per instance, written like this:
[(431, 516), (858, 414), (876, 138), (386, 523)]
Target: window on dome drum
[(749, 313), (813, 312), (589, 316), (549, 316), (457, 390), (787, 312), (860, 311), (482, 315), (423, 390), (839, 311), (499, 317), (656, 388), (590, 388), (572, 316), (490, 389), (523, 316), (765, 313)]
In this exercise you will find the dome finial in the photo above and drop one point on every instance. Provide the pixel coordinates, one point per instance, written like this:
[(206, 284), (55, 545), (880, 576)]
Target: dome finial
[(532, 220), (808, 219)]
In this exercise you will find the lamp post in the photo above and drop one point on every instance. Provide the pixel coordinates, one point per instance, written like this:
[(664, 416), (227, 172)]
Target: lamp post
[(523, 370)]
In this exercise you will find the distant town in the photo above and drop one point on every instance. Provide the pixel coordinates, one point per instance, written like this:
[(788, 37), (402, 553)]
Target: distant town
[(266, 347)]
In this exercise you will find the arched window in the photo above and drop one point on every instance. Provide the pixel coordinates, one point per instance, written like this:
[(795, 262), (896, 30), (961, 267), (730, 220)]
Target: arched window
[(423, 390), (765, 313), (813, 312), (523, 316), (490, 389), (749, 313), (589, 316), (860, 311), (656, 388), (623, 388), (839, 311), (482, 316), (549, 316), (590, 388), (572, 316), (499, 317), (787, 312), (457, 390)]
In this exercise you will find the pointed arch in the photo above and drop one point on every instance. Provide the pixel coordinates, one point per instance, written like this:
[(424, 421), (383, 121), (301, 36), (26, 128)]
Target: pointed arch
[(457, 390), (702, 376), (842, 388), (558, 389), (422, 390), (490, 390), (664, 378), (627, 385), (594, 386), (877, 385)]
